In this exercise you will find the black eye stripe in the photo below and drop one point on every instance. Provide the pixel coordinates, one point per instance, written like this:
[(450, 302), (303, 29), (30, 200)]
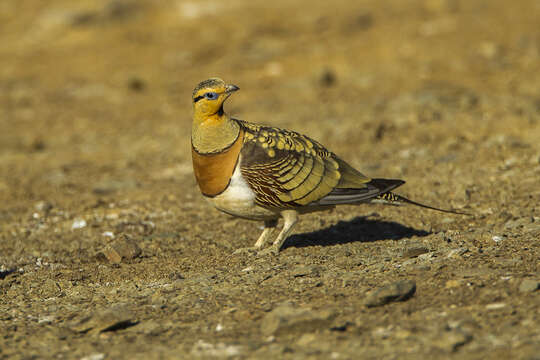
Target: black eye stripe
[(208, 95)]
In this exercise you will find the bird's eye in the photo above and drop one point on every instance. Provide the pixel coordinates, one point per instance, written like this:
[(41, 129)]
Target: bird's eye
[(211, 95)]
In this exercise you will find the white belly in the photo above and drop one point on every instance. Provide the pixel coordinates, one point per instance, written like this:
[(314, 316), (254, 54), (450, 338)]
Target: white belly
[(239, 200)]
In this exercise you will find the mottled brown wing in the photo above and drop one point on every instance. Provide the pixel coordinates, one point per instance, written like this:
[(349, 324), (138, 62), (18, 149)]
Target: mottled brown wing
[(286, 169)]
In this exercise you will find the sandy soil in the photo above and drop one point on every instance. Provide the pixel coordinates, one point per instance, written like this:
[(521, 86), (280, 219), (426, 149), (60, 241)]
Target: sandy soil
[(107, 249)]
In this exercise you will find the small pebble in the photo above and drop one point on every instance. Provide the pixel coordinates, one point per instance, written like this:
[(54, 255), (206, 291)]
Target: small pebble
[(108, 234), (43, 206), (327, 78), (529, 285), (453, 283), (452, 340), (46, 319), (94, 357), (454, 253), (202, 349), (136, 84), (287, 319), (415, 251), (303, 270), (122, 249), (110, 319), (78, 224), (398, 291), (495, 306)]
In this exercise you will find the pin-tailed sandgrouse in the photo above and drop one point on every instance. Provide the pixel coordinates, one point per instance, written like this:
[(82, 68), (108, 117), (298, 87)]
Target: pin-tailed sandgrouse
[(265, 173)]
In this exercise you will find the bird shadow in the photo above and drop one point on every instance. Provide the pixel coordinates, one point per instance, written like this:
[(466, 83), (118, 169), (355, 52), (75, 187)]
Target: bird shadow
[(359, 229)]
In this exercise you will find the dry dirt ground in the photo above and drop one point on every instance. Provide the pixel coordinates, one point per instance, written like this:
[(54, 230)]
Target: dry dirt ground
[(107, 249)]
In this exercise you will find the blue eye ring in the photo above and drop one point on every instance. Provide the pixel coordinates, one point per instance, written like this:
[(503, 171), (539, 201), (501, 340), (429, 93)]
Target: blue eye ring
[(211, 95)]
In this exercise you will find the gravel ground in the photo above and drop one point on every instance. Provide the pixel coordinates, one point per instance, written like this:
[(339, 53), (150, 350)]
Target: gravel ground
[(108, 251)]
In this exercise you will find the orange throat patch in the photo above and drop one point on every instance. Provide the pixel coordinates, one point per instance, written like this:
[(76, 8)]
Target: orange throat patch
[(214, 171)]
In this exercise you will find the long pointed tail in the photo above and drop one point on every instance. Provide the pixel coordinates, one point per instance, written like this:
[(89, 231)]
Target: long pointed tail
[(390, 197)]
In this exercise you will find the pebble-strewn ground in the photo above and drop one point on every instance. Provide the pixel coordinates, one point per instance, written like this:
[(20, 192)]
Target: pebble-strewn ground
[(108, 251)]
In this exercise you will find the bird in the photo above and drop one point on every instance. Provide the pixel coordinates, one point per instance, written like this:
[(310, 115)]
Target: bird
[(265, 173)]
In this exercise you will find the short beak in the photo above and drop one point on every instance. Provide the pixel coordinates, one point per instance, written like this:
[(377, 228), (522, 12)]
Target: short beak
[(231, 88)]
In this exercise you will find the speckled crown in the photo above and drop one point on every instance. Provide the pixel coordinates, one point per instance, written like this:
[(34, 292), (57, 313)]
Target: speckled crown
[(212, 82)]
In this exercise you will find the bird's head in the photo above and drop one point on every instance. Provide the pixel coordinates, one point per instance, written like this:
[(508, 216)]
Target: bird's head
[(209, 96)]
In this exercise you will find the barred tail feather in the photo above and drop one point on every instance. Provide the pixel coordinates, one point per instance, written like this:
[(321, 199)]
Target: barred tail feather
[(390, 197), (369, 191)]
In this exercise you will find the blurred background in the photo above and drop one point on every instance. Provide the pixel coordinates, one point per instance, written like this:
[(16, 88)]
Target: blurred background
[(92, 90), (95, 118)]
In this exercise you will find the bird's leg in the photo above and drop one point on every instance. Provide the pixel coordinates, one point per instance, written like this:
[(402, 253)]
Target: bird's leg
[(290, 217), (269, 226)]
